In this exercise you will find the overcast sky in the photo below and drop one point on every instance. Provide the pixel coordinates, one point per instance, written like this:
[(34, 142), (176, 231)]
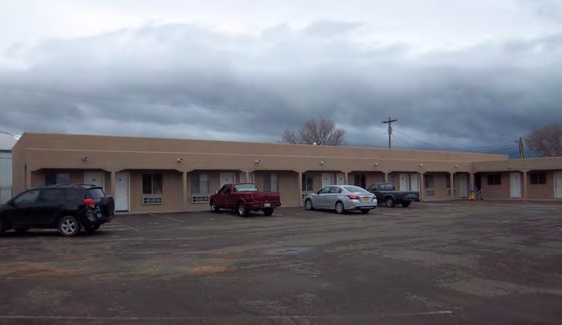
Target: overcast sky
[(456, 74)]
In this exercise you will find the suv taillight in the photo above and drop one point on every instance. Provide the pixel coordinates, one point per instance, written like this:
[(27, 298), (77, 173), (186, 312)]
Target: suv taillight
[(90, 203)]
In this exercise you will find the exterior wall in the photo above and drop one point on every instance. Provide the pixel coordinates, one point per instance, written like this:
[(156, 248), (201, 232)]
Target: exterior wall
[(35, 154), (541, 191), (495, 191), (439, 190), (5, 175)]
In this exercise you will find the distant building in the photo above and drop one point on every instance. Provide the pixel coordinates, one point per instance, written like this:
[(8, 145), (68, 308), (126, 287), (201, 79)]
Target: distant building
[(6, 144)]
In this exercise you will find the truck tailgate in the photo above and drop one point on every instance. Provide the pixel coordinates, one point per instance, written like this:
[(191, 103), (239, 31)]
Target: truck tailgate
[(261, 197)]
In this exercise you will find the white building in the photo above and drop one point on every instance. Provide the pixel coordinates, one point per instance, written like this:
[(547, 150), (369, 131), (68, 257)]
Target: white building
[(6, 144)]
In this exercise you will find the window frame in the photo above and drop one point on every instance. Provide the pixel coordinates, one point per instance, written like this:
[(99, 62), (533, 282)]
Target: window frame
[(429, 179), (199, 178), (537, 178), (57, 176), (269, 187), (494, 179), (152, 182), (307, 179)]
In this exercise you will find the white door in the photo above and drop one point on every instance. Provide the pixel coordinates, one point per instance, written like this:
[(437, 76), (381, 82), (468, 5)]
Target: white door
[(340, 179), (327, 179), (121, 191), (415, 183), (95, 178), (463, 184), (558, 185), (404, 182), (515, 185), (226, 178)]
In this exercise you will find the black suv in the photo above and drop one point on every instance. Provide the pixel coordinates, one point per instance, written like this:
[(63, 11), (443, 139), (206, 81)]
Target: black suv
[(68, 208)]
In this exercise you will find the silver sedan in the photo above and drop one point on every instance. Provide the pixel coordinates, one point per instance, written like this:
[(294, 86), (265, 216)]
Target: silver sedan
[(341, 198)]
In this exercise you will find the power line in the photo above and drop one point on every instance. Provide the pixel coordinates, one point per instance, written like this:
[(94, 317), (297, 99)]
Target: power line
[(499, 150), (6, 133), (375, 140), (96, 98), (459, 149), (389, 122)]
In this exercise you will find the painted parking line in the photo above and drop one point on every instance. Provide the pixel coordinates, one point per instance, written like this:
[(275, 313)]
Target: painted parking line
[(122, 224), (169, 218)]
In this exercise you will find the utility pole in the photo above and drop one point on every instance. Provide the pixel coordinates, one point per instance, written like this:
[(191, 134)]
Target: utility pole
[(389, 122), (521, 148)]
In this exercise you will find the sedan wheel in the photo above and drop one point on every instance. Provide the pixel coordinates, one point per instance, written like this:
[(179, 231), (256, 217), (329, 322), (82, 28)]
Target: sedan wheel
[(308, 205), (339, 208)]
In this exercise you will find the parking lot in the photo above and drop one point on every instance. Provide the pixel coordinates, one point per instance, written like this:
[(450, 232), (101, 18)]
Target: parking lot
[(431, 263)]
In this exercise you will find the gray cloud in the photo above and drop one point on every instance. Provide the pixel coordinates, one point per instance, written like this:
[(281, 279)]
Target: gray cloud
[(181, 80)]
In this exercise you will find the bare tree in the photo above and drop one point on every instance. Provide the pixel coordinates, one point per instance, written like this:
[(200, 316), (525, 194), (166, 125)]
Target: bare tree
[(321, 132), (546, 141)]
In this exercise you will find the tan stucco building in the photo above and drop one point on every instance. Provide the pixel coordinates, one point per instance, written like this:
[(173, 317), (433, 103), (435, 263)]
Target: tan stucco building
[(152, 174)]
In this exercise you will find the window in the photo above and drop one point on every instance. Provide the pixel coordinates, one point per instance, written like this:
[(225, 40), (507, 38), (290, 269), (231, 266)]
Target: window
[(307, 183), (494, 179), (51, 196), (56, 178), (75, 195), (428, 182), (335, 190), (96, 193), (245, 188), (151, 184), (27, 197), (199, 184), (200, 188), (448, 182), (360, 180), (325, 190), (270, 183), (356, 189), (538, 178)]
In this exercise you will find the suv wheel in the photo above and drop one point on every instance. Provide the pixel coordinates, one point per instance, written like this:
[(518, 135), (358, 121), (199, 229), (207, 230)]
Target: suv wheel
[(2, 228), (69, 226)]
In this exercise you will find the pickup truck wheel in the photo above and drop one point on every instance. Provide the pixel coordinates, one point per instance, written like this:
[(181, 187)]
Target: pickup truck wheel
[(406, 204), (308, 205), (214, 207), (339, 207), (242, 211), (268, 212), (69, 226), (389, 202)]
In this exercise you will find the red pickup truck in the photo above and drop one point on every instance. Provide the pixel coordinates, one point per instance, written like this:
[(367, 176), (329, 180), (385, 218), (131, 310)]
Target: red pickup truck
[(244, 197)]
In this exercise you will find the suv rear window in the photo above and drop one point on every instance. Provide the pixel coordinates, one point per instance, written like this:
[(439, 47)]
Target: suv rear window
[(96, 193)]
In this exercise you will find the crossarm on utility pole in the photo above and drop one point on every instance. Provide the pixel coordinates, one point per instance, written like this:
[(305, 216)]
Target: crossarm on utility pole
[(389, 122)]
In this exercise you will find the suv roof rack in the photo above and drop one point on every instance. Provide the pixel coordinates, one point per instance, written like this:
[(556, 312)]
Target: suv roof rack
[(75, 184), (84, 184)]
